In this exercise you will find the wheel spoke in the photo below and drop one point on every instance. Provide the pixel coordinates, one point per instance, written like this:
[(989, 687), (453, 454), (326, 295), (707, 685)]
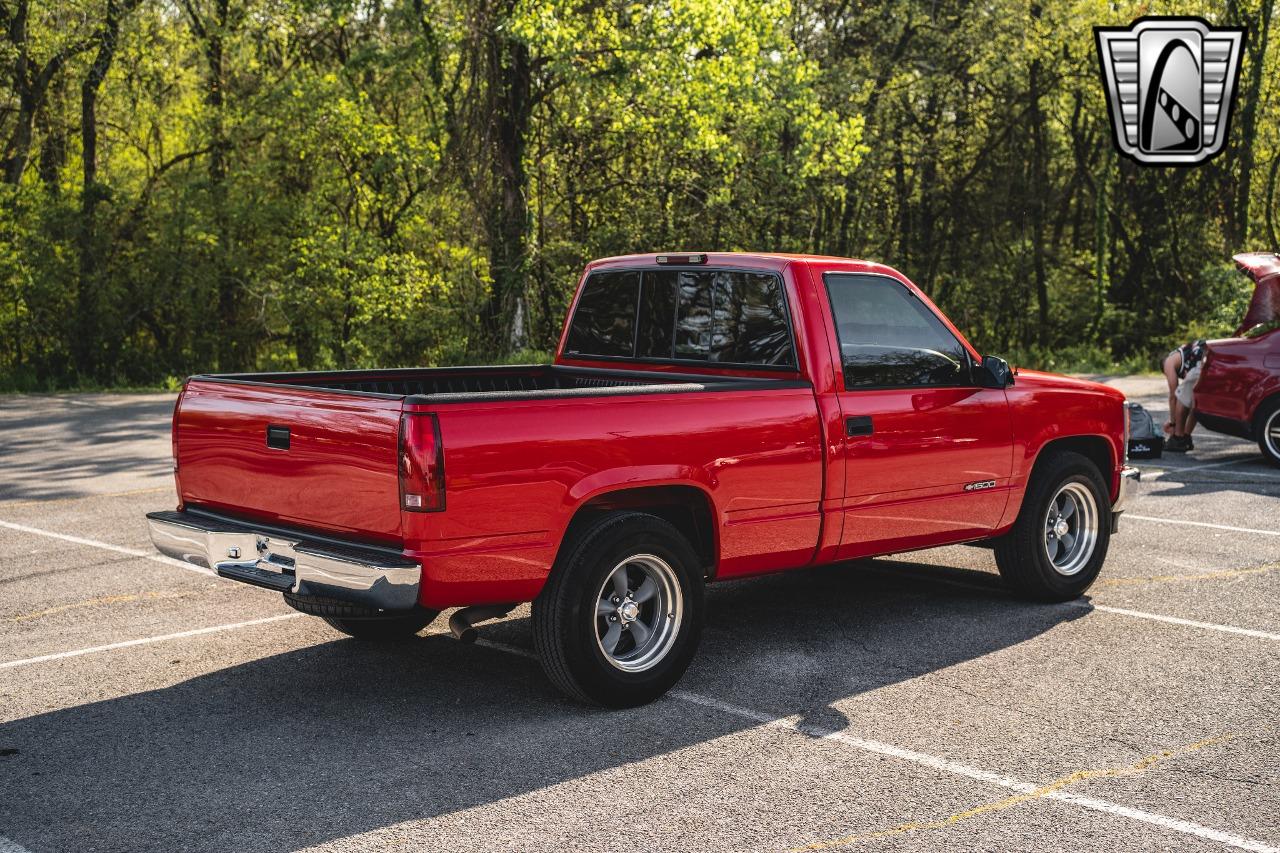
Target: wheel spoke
[(647, 590), (611, 637), (1051, 544), (1067, 540), (1068, 507), (604, 607), (640, 632), (620, 582)]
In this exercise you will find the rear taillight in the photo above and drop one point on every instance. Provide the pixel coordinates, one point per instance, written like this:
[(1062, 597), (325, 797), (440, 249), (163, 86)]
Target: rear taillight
[(421, 463)]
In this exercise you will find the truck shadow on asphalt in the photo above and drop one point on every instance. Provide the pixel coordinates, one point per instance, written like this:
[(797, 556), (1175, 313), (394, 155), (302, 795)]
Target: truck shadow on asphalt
[(343, 737), (1251, 476)]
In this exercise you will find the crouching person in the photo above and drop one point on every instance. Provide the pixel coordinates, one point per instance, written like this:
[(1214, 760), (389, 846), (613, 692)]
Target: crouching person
[(1182, 371)]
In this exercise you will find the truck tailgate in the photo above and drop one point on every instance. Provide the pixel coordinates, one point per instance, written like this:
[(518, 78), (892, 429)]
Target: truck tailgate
[(337, 473)]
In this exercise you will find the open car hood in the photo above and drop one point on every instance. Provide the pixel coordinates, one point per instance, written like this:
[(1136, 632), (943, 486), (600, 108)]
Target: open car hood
[(1264, 269)]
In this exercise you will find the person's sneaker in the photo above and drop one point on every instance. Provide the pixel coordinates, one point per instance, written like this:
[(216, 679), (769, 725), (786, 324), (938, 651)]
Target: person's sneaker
[(1178, 444)]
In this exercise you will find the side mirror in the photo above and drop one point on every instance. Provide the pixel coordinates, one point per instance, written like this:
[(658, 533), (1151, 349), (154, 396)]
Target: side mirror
[(994, 372)]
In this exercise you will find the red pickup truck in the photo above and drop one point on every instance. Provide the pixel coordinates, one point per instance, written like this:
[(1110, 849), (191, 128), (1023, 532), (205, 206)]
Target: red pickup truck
[(707, 416)]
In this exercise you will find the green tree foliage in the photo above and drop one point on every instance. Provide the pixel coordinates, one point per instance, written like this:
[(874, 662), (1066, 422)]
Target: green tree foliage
[(195, 185)]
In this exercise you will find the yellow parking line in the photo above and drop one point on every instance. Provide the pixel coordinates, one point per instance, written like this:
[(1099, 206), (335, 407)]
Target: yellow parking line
[(1018, 799), (104, 600), (1201, 576)]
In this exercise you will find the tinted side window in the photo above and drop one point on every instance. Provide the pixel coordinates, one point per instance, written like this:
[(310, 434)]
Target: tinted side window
[(888, 338), (714, 315), (604, 322)]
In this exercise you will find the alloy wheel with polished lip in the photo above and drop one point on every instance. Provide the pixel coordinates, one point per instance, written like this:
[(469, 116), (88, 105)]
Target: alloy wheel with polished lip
[(620, 616), (1059, 541), (1071, 528), (638, 612), (1269, 435)]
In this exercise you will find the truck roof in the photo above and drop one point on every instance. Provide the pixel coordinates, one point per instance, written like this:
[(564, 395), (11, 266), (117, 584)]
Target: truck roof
[(766, 260)]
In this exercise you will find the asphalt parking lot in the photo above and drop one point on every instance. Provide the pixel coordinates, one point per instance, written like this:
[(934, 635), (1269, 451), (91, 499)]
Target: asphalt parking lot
[(905, 702)]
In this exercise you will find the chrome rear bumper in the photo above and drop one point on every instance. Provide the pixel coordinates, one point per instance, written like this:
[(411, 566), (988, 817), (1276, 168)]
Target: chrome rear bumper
[(288, 561)]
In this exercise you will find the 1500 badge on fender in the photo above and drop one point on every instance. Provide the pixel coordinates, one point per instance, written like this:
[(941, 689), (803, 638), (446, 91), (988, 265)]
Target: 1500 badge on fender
[(706, 416)]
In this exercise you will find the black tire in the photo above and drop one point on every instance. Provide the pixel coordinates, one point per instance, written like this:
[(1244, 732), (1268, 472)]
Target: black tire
[(363, 623), (565, 632), (1266, 420), (1022, 555), (384, 628)]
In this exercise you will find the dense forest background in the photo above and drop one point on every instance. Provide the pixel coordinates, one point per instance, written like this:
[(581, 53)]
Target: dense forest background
[(196, 185)]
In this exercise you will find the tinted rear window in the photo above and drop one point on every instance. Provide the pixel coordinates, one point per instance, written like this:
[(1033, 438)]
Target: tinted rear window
[(719, 316)]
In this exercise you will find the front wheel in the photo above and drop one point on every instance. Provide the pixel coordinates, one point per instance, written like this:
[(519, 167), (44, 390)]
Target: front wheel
[(1267, 430), (1059, 542), (620, 616)]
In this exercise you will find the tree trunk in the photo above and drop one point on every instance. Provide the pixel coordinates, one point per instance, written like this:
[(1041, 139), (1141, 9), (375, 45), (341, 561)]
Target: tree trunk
[(1039, 191), (510, 87), (233, 351), (1249, 122), (88, 295), (31, 86)]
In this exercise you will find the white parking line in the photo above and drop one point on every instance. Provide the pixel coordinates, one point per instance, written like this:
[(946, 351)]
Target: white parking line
[(945, 765), (1190, 623), (146, 640), (7, 846), (106, 546), (1129, 515)]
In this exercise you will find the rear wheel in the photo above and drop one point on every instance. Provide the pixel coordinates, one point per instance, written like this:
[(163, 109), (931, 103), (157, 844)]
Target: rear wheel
[(383, 628), (1059, 542), (620, 617), (1267, 430)]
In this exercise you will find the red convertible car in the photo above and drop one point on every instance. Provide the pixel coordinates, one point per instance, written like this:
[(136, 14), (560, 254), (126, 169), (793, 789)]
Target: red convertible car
[(1239, 389)]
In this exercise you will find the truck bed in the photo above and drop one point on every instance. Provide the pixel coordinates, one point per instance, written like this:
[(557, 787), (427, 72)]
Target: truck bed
[(453, 384), (319, 451)]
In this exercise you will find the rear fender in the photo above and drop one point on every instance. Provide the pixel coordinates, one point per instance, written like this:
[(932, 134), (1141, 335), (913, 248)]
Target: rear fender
[(630, 485)]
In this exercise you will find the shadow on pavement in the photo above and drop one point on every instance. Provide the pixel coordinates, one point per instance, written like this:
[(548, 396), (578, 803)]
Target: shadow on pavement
[(60, 450), (343, 737), (1247, 472)]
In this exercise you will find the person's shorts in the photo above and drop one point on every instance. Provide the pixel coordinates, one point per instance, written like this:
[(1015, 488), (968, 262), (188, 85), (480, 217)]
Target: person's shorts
[(1187, 386)]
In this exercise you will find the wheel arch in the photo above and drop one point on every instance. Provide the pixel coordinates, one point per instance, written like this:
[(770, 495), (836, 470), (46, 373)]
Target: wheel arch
[(688, 508), (1261, 410), (1266, 409), (1096, 448)]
